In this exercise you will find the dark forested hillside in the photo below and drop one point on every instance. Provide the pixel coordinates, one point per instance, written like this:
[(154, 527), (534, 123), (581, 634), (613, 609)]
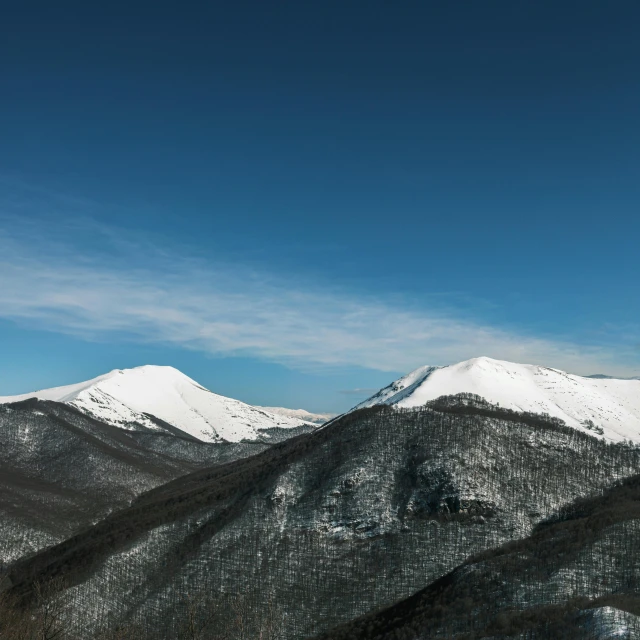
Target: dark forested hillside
[(61, 470), (577, 576), (325, 526)]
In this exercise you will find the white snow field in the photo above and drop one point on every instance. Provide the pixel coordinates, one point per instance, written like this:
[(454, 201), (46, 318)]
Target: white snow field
[(612, 404), (123, 397)]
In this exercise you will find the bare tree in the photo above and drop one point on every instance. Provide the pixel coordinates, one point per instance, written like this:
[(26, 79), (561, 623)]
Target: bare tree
[(253, 620), (42, 620), (50, 606), (201, 616), (16, 622)]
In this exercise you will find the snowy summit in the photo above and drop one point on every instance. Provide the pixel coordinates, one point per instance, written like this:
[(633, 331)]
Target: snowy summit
[(611, 405), (125, 397)]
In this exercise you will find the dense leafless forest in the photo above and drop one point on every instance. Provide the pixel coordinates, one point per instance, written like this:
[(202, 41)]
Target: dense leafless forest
[(324, 527)]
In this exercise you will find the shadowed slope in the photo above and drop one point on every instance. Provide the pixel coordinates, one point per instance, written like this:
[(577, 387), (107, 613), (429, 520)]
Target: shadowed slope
[(576, 576)]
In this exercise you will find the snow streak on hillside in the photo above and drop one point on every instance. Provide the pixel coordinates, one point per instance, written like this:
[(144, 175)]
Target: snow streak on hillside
[(612, 405), (126, 397)]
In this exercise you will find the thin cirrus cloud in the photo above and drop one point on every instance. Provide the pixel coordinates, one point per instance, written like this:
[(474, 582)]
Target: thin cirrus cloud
[(229, 310), (366, 391)]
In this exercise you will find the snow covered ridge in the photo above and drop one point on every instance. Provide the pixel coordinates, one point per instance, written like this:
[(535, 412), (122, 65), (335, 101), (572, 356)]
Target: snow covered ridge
[(300, 414), (125, 397), (604, 406)]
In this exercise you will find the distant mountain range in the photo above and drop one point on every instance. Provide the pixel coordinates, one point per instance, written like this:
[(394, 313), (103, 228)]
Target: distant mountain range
[(300, 414), (602, 376)]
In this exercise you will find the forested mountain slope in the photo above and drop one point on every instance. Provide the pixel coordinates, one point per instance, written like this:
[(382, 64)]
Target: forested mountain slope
[(577, 576), (61, 470), (328, 525)]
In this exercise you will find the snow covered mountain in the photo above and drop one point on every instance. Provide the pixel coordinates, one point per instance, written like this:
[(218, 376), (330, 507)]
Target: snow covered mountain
[(137, 396), (345, 519), (300, 414), (611, 405)]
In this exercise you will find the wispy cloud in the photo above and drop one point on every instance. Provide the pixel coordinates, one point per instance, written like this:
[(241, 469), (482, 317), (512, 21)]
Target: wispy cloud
[(367, 391), (148, 295)]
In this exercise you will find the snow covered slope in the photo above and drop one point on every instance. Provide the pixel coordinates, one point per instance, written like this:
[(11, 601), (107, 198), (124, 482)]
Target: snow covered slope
[(300, 414), (611, 404), (124, 397)]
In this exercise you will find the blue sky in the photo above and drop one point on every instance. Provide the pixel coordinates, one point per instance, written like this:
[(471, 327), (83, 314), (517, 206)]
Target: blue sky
[(296, 202)]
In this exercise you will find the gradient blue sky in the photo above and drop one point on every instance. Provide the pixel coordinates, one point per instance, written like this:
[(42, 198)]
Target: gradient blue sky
[(295, 202)]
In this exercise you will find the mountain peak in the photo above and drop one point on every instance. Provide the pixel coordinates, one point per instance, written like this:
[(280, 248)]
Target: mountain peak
[(126, 397), (607, 403), (157, 370)]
